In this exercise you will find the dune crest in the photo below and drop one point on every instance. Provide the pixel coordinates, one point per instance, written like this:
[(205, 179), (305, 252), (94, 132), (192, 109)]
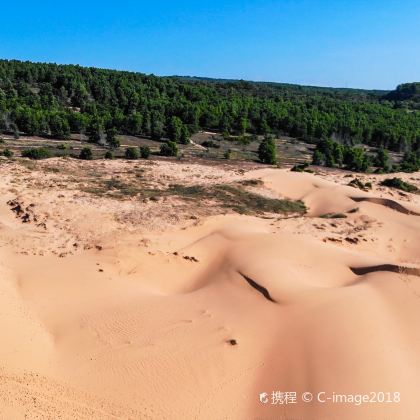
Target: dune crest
[(387, 203)]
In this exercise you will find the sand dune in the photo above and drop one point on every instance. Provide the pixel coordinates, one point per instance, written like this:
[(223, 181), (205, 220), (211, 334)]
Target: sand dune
[(133, 309)]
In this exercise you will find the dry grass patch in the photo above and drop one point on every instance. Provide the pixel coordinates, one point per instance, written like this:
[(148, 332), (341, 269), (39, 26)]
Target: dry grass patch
[(237, 199)]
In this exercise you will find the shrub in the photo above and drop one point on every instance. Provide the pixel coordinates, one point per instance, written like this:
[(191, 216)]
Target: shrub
[(132, 153), (251, 182), (109, 155), (399, 184), (244, 140), (333, 216), (8, 153), (36, 153), (86, 154), (169, 149), (356, 183), (301, 168), (210, 143), (144, 152), (228, 154)]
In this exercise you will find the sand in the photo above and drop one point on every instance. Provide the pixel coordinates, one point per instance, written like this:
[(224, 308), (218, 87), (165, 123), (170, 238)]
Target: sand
[(120, 308)]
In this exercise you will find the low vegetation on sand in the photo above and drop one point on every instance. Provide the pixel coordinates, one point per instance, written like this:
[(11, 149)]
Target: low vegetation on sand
[(235, 198), (301, 168), (399, 184), (132, 153), (145, 152), (333, 216), (7, 153), (37, 153), (169, 148), (229, 196), (357, 183)]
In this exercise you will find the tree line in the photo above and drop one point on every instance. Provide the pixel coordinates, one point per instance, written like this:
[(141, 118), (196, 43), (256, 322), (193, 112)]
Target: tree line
[(56, 100), (333, 154)]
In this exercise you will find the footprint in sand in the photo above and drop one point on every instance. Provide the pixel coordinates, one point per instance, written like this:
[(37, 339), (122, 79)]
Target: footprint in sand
[(206, 313)]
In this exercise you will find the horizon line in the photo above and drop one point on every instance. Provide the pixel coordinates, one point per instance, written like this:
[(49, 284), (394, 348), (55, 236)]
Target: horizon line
[(203, 78)]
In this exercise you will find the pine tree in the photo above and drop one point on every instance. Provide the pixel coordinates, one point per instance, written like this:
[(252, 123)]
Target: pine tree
[(174, 129), (185, 135), (382, 160), (111, 138), (95, 130), (267, 151)]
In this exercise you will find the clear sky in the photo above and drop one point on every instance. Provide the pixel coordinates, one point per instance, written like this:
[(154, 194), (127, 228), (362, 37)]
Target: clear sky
[(346, 43)]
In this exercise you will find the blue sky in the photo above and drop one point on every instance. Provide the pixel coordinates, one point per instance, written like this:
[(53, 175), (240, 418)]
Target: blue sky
[(365, 44)]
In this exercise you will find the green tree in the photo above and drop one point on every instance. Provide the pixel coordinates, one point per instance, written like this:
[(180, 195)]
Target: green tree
[(318, 158), (80, 95), (185, 135), (382, 160), (156, 126), (410, 162), (356, 159), (27, 120), (169, 148), (267, 151), (111, 138), (95, 130), (242, 125), (174, 129), (330, 150), (59, 126), (133, 124), (338, 154)]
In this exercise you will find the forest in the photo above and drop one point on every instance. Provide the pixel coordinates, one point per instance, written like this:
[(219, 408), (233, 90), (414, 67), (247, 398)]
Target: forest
[(56, 100)]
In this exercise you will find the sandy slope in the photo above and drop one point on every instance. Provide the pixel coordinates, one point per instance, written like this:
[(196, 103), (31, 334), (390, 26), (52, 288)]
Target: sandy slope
[(130, 309)]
